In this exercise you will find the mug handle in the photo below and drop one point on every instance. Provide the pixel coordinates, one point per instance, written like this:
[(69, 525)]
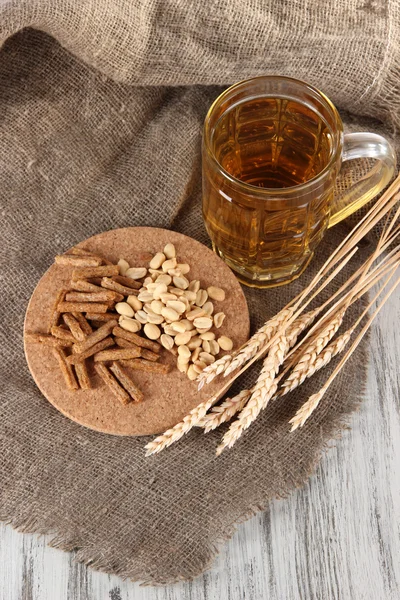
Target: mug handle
[(364, 145)]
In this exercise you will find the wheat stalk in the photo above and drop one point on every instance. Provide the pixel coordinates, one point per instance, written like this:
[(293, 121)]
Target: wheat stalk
[(308, 407)]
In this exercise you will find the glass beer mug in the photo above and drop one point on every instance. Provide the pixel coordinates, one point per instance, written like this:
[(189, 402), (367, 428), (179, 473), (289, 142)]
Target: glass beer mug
[(272, 151)]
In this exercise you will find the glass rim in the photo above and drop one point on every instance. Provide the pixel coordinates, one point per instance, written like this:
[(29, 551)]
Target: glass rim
[(274, 191)]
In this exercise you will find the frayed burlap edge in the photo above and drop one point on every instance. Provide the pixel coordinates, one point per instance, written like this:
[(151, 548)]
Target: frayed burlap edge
[(83, 553)]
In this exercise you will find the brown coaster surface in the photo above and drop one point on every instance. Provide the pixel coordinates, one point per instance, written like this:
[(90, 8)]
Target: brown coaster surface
[(168, 398)]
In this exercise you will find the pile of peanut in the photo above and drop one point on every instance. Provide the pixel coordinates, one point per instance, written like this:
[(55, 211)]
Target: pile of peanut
[(175, 311)]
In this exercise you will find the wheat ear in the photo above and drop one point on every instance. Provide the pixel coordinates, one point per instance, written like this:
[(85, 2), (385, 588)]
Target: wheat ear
[(175, 433), (306, 357), (299, 325), (310, 363), (258, 340), (213, 370), (308, 407), (226, 364), (225, 411), (263, 390)]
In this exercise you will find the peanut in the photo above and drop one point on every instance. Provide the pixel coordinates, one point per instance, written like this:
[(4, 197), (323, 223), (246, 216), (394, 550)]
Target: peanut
[(169, 264), (167, 341), (216, 293), (182, 339), (152, 331), (201, 297), (202, 322), (123, 266), (123, 308), (170, 251), (157, 260), (219, 319), (180, 282), (191, 373), (225, 343), (136, 272), (129, 324), (134, 302), (184, 352)]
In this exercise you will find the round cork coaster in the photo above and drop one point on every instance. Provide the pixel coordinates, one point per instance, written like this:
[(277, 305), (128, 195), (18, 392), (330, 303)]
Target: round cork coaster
[(168, 398)]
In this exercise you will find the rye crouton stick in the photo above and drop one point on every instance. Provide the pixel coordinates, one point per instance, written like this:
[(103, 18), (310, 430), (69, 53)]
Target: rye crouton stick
[(77, 261), (136, 339), (66, 369), (139, 364), (112, 383), (148, 354), (83, 375), (47, 340), (75, 327), (62, 334), (127, 282), (117, 354), (88, 272), (95, 337), (76, 358), (127, 382), (81, 285), (72, 307), (55, 316), (102, 296), (101, 317), (110, 284), (83, 252), (86, 328)]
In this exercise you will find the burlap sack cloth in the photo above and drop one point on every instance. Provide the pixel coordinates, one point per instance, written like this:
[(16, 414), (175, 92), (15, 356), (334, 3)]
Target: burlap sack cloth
[(101, 111)]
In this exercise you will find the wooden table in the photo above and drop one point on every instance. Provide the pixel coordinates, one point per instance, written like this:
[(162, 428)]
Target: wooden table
[(338, 538)]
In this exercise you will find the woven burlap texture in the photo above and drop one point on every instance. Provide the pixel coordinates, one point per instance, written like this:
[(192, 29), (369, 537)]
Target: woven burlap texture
[(102, 105)]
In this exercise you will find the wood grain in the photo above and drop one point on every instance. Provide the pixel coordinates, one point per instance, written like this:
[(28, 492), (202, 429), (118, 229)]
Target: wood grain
[(336, 539)]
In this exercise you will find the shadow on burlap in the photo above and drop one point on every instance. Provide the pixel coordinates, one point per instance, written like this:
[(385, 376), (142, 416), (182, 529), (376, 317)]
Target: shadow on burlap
[(85, 149)]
